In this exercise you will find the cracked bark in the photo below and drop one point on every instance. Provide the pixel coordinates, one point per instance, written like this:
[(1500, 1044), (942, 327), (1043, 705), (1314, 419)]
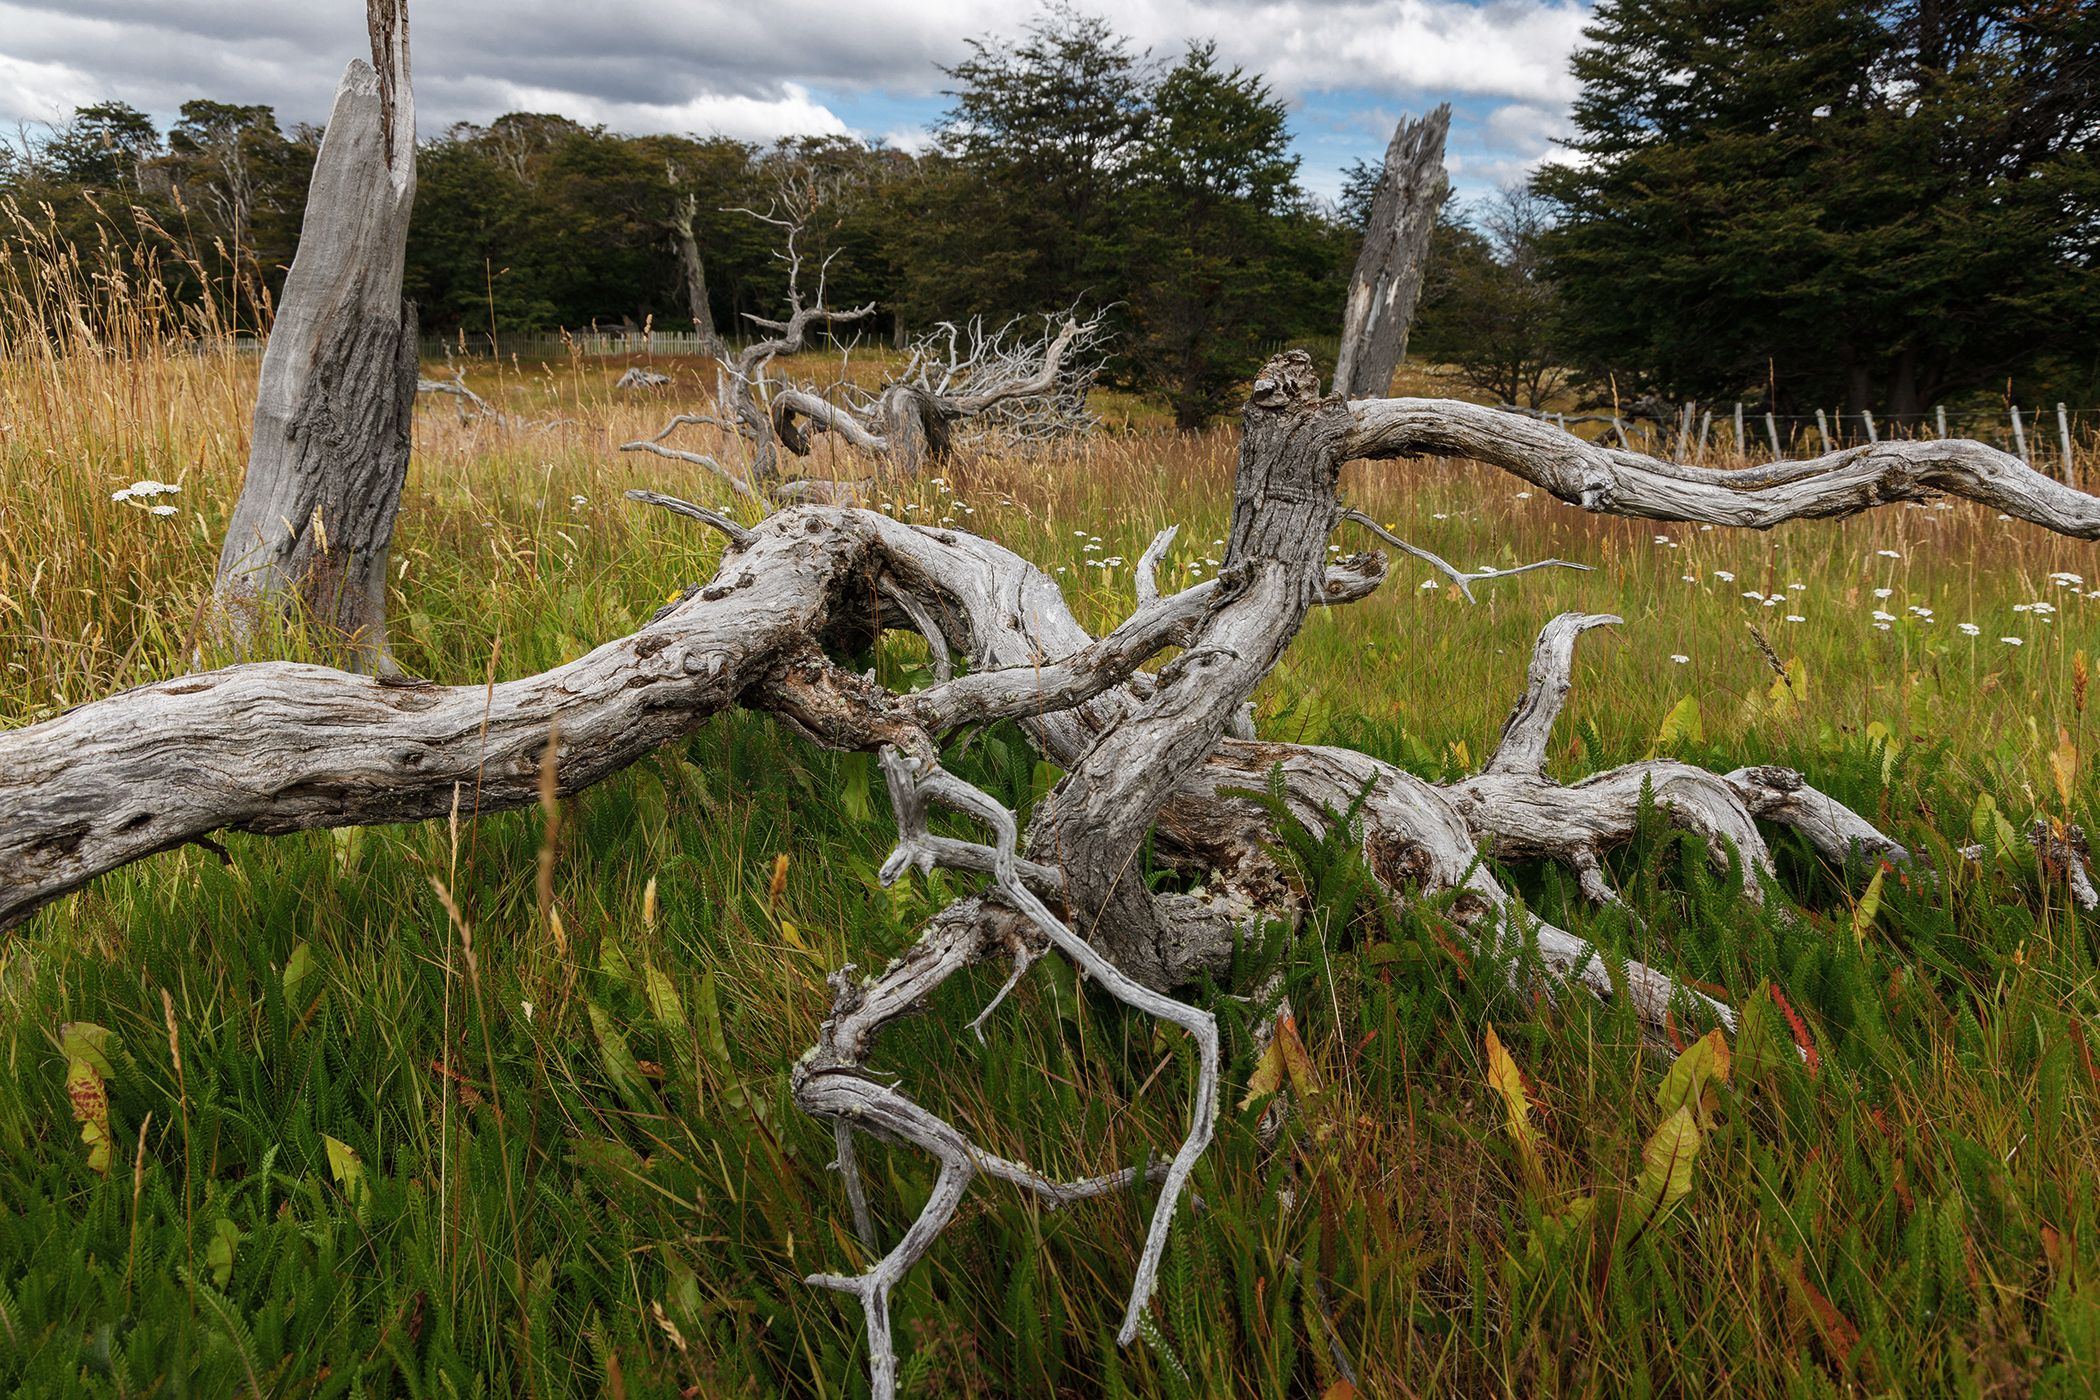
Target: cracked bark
[(336, 396), (1388, 277)]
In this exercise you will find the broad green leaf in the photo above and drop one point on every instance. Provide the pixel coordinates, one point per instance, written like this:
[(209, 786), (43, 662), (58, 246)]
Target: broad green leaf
[(86, 1047), (1666, 1168), (1267, 1078), (86, 1041), (1681, 725), (612, 961), (297, 968), (1789, 692), (1992, 830), (1504, 1078), (1685, 1085), (219, 1250), (1761, 1040), (1869, 905), (712, 1040), (348, 1171), (664, 1003), (620, 1065)]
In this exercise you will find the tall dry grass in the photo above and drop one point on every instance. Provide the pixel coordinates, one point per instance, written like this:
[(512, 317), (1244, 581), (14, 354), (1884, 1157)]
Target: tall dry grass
[(578, 1168)]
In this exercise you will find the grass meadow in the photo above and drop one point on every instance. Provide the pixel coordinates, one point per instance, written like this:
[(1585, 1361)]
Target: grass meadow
[(357, 1146)]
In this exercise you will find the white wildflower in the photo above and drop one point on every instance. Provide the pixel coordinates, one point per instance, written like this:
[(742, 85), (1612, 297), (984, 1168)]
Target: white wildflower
[(1969, 629), (1880, 616), (1795, 617), (2013, 641), (1888, 554), (1681, 659), (1724, 576), (1883, 592)]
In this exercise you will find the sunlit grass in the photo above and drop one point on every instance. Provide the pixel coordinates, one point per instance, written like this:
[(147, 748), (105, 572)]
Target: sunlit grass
[(581, 1171)]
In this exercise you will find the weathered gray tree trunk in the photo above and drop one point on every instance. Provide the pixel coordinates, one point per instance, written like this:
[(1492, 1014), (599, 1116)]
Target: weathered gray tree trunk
[(315, 520), (1388, 277), (688, 245)]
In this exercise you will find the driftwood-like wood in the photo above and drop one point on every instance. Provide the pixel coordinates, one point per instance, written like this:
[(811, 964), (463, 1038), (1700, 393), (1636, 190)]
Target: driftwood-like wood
[(1388, 277), (275, 747), (336, 396)]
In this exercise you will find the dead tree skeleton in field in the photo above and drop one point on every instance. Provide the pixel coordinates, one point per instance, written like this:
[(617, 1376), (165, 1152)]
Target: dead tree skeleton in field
[(1388, 277), (685, 210), (277, 747), (1034, 387), (315, 519)]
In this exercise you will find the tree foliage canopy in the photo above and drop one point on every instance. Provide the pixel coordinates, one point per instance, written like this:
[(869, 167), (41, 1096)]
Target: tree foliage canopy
[(1879, 204), (1873, 202)]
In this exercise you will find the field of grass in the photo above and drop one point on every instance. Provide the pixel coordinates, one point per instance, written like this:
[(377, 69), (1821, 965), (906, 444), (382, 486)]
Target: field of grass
[(361, 1146)]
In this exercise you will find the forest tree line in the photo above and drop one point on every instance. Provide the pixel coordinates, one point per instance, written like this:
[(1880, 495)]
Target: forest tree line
[(1874, 206)]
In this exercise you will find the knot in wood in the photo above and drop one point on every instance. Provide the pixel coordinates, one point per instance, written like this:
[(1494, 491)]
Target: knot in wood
[(1776, 778), (1287, 384)]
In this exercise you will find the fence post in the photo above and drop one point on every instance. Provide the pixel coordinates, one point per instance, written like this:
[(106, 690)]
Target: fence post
[(1939, 414), (1823, 428), (1740, 448), (1706, 425), (2063, 435), (1772, 432), (1872, 436), (1620, 429), (1562, 420), (2019, 436)]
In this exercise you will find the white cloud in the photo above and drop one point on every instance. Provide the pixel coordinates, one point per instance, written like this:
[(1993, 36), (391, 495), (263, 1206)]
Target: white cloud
[(33, 91), (744, 118), (788, 67)]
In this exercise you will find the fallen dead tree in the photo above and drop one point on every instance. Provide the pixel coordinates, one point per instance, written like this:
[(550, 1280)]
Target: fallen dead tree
[(1031, 386), (276, 747)]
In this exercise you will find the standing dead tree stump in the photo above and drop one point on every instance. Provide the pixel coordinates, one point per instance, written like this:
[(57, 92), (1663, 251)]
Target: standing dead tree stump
[(685, 211), (277, 747), (1388, 277), (314, 523)]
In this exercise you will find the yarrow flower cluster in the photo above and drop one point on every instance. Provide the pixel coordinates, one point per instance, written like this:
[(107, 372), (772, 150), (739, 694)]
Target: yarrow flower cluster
[(141, 494)]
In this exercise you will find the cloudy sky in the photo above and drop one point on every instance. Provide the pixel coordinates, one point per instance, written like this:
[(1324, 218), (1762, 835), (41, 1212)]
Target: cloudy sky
[(755, 71)]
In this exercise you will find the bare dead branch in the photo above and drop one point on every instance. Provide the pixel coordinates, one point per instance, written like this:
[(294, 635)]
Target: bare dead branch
[(739, 537), (1612, 481), (1458, 576)]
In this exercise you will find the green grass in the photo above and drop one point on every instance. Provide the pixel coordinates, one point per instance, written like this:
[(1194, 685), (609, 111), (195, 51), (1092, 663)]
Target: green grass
[(578, 1170)]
